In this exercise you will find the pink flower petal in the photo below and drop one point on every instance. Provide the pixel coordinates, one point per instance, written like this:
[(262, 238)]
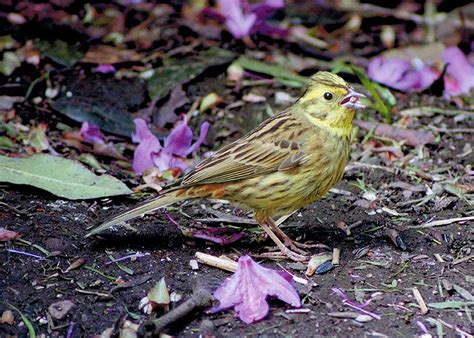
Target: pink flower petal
[(247, 289), (396, 73), (241, 19), (8, 235), (460, 71), (220, 236), (180, 138), (105, 68), (148, 144), (177, 145), (202, 136), (91, 133), (237, 22)]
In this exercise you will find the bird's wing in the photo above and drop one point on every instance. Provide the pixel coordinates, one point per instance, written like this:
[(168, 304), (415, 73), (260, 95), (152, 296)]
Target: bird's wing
[(269, 148)]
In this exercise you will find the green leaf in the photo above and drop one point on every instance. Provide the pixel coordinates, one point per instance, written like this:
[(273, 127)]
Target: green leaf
[(182, 70), (105, 116), (60, 51), (384, 99), (452, 304), (26, 321), (59, 176), (280, 73), (463, 292)]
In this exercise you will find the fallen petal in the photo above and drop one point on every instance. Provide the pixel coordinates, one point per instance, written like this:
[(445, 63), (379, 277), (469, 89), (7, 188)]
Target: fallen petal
[(247, 289), (91, 133), (148, 144), (8, 235)]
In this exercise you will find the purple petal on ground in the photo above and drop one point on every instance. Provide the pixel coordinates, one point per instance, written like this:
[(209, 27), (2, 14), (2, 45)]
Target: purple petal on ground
[(460, 70), (148, 145), (238, 23), (422, 327), (427, 76), (105, 68), (360, 307), (202, 136), (263, 10), (220, 236), (8, 235), (396, 73), (91, 133), (180, 138), (162, 159), (247, 289)]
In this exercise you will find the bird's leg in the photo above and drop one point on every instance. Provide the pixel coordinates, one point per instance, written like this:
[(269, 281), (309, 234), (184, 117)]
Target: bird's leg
[(297, 257), (296, 246)]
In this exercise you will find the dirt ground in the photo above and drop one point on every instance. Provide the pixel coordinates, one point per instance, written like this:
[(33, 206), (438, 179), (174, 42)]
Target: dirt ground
[(389, 203), (371, 266)]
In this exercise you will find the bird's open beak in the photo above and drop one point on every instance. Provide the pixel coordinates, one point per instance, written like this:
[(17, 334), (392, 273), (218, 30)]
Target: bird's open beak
[(352, 100)]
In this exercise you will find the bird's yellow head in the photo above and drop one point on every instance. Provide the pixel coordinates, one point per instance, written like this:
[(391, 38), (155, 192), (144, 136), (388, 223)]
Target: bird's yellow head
[(330, 102)]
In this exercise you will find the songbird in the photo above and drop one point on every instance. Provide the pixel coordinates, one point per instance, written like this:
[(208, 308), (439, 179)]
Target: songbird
[(287, 162)]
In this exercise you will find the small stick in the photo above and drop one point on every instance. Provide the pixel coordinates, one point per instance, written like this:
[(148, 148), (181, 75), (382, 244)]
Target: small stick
[(443, 222), (200, 299), (439, 258), (336, 255), (217, 262), (420, 301), (462, 260)]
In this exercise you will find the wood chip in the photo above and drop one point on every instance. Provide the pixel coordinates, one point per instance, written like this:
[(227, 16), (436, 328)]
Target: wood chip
[(420, 300), (347, 314), (216, 262), (194, 264), (439, 258), (462, 260), (298, 311), (443, 222), (336, 255)]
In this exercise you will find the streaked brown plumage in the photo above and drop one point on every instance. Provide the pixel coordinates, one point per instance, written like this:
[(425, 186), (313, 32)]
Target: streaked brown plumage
[(286, 163)]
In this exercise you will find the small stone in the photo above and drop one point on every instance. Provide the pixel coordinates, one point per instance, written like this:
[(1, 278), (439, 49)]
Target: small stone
[(363, 318), (7, 318), (60, 309)]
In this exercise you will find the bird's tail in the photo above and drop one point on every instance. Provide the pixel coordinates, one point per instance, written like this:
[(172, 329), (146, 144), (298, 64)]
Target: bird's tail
[(141, 209)]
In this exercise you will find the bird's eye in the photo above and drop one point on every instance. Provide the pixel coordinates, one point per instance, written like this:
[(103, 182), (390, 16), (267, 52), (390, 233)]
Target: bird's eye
[(328, 96)]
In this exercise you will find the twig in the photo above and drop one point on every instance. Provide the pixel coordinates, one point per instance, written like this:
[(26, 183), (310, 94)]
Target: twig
[(336, 255), (227, 220), (98, 294), (217, 262), (429, 111), (453, 130), (15, 210), (420, 301), (25, 253), (462, 260), (442, 222), (200, 299)]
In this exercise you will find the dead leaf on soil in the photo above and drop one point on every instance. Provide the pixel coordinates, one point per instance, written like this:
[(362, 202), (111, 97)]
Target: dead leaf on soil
[(101, 54)]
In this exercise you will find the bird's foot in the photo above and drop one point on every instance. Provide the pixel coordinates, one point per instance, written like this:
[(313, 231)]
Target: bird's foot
[(300, 245), (296, 247)]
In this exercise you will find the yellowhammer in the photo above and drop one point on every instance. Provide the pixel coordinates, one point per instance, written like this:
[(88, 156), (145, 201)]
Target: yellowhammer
[(287, 162)]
